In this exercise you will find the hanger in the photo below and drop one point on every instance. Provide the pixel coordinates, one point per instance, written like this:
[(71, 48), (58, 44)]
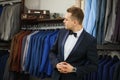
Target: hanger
[(114, 53)]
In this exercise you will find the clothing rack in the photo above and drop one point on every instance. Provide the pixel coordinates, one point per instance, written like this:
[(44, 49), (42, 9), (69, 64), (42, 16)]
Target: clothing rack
[(42, 24), (110, 47), (56, 24), (9, 2), (5, 44)]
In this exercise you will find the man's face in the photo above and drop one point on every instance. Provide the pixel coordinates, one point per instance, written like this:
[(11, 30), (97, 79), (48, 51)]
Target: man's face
[(68, 22)]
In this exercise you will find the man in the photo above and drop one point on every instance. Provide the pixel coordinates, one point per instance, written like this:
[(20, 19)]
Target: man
[(73, 54)]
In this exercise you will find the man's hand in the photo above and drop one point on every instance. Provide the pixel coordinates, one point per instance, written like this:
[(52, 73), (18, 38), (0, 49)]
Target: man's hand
[(64, 67)]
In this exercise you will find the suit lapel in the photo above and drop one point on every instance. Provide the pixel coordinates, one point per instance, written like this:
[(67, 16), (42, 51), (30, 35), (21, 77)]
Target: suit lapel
[(63, 43), (77, 43)]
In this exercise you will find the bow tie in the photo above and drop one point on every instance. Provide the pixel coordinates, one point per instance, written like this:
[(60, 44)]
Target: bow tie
[(72, 33)]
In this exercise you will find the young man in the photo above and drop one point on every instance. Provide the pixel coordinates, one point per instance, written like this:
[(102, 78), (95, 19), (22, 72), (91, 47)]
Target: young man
[(74, 53)]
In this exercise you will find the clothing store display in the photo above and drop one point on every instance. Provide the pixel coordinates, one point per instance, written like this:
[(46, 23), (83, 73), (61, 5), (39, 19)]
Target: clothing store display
[(107, 17), (34, 58), (116, 34), (9, 21), (101, 20), (111, 24), (31, 41)]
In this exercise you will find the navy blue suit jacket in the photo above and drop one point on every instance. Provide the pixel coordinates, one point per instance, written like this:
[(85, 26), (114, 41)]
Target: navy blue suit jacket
[(84, 51)]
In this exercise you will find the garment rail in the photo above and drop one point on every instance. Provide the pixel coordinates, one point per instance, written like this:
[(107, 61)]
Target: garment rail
[(42, 26), (115, 47)]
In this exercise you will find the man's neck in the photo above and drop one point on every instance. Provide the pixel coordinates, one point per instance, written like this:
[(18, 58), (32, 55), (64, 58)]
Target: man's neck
[(77, 28)]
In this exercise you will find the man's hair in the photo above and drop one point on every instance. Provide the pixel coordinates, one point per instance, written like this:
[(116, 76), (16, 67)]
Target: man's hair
[(76, 13)]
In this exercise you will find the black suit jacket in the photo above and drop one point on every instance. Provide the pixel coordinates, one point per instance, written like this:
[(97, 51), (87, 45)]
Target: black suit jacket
[(83, 56), (116, 74)]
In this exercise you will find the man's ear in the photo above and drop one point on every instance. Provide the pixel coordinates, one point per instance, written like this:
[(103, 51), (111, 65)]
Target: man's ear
[(75, 22)]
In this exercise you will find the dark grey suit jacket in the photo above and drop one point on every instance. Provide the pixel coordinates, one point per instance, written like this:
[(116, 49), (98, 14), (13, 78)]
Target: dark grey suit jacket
[(83, 56), (116, 74)]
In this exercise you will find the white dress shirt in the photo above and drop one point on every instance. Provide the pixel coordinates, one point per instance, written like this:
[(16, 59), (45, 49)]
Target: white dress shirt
[(70, 43)]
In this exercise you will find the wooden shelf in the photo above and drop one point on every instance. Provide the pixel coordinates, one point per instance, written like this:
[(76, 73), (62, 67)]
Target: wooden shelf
[(42, 20)]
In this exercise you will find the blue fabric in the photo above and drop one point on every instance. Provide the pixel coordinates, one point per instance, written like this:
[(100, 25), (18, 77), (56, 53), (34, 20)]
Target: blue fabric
[(38, 53), (102, 58), (94, 76), (105, 74), (29, 54), (41, 54), (116, 72), (3, 59), (106, 68), (101, 22), (52, 40), (33, 53), (34, 59), (86, 13), (37, 61), (1, 8), (92, 17), (100, 67), (94, 31), (44, 56), (112, 69), (98, 16), (45, 52), (46, 67)]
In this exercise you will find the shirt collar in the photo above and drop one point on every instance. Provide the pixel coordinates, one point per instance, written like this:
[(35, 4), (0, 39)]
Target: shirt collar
[(79, 32)]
